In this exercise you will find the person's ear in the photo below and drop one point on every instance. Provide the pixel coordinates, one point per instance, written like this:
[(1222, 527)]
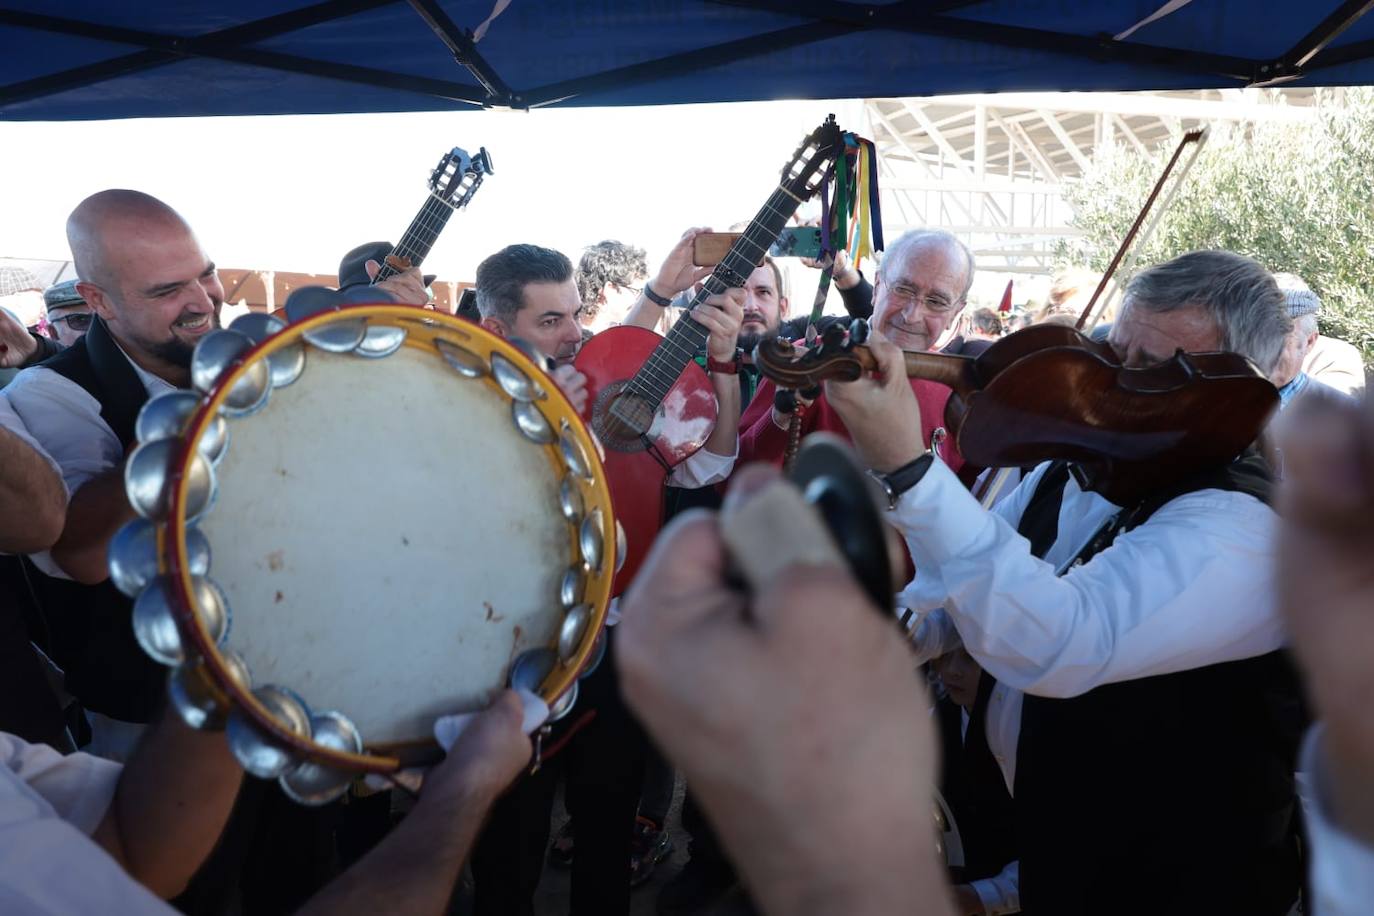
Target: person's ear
[(99, 301), (496, 326)]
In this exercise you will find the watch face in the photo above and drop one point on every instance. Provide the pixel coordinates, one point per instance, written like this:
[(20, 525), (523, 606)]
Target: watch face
[(884, 487)]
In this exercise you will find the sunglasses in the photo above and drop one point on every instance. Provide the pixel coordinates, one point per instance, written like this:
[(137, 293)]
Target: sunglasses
[(77, 321)]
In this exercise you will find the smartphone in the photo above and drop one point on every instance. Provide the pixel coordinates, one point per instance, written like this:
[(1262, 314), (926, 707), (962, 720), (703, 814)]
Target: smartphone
[(467, 305), (710, 248)]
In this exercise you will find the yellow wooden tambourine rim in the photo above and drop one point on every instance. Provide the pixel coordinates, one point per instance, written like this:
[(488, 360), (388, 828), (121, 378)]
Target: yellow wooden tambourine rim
[(423, 330)]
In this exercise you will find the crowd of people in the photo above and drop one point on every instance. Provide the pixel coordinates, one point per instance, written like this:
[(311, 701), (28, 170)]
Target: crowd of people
[(1149, 706)]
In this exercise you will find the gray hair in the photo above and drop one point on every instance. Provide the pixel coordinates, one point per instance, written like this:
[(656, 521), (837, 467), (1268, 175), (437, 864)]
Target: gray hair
[(501, 278), (916, 238), (607, 262), (1238, 294)]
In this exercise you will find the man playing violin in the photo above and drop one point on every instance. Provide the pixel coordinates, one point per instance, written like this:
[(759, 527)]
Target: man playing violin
[(921, 287), (1152, 720)]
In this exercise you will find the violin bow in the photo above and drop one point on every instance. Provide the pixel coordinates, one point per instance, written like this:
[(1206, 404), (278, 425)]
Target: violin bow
[(1192, 136)]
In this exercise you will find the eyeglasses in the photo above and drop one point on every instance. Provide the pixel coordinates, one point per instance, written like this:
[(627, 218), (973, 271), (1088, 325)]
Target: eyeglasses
[(907, 294), (77, 321), (625, 287)]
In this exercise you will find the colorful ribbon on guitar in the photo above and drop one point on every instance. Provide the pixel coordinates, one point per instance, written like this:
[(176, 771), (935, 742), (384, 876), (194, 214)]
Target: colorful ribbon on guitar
[(851, 216)]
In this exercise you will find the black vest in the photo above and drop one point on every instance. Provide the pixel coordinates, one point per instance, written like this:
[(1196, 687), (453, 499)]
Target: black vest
[(972, 785), (89, 626), (1170, 794)]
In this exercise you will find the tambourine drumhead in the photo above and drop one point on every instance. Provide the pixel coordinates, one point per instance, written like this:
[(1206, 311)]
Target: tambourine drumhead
[(390, 534)]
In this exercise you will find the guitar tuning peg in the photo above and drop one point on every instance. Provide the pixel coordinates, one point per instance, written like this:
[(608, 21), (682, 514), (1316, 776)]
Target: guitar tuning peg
[(833, 336), (858, 331)]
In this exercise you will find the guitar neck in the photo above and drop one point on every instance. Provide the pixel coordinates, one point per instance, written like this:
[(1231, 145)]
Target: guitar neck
[(419, 237), (663, 368)]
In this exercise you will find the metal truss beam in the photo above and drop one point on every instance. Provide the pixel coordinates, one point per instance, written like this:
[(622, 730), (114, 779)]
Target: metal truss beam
[(227, 45)]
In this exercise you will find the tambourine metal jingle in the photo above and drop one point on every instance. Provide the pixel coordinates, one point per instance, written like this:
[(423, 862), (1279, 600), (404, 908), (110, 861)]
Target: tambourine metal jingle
[(358, 486)]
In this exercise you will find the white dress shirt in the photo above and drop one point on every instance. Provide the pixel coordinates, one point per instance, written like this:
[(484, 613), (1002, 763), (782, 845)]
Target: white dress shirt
[(65, 420), (49, 806), (703, 468), (1001, 893), (1192, 586), (11, 421), (1342, 867)]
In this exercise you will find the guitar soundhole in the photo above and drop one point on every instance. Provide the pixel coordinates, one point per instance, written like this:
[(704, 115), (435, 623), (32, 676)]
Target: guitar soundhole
[(620, 419)]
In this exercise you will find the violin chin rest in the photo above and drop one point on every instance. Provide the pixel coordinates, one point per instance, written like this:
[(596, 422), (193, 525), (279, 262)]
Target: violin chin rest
[(831, 480)]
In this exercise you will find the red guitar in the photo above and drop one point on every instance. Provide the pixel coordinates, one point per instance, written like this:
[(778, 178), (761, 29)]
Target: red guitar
[(649, 402)]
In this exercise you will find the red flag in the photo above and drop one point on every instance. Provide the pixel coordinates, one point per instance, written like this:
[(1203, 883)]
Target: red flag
[(1006, 300)]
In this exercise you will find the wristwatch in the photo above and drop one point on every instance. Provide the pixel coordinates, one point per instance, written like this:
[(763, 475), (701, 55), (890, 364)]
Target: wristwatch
[(655, 298), (727, 367), (902, 479)]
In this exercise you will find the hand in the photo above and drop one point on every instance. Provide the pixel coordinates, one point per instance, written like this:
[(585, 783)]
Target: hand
[(814, 223), (784, 420), (770, 704), (722, 316), (406, 287), (880, 410), (489, 754), (678, 272), (967, 902), (844, 274), (16, 343), (573, 384), (1326, 587)]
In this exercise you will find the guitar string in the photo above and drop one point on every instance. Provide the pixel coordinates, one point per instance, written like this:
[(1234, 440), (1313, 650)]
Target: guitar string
[(430, 221), (657, 368), (413, 245)]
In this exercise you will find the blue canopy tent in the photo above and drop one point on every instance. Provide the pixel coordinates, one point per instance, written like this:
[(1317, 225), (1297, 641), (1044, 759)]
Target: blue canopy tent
[(85, 59)]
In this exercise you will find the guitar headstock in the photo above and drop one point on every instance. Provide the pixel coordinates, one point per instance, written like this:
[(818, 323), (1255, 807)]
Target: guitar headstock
[(840, 356), (457, 176), (803, 173)]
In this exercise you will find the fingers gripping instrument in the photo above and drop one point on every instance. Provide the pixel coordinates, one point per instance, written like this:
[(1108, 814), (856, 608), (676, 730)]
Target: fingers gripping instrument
[(649, 402)]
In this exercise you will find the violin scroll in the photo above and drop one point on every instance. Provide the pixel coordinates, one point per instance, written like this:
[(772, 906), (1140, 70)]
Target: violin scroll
[(840, 356)]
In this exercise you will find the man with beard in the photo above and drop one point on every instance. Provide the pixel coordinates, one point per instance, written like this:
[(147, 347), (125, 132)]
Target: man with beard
[(155, 294), (707, 875)]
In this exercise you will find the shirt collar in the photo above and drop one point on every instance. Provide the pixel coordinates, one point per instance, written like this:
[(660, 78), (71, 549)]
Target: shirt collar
[(153, 384), (1292, 389)]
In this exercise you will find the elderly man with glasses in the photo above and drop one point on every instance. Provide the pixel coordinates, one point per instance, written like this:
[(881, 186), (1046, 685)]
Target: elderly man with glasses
[(69, 315), (922, 285)]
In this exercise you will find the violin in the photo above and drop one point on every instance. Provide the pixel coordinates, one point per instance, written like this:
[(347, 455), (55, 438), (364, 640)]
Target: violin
[(1049, 392)]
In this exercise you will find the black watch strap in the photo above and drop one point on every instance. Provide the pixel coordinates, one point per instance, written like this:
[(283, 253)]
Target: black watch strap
[(903, 478), (655, 298)]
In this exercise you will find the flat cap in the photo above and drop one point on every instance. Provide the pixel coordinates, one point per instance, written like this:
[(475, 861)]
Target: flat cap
[(62, 294)]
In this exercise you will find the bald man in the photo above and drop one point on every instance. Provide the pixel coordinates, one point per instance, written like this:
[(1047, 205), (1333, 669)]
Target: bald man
[(155, 293)]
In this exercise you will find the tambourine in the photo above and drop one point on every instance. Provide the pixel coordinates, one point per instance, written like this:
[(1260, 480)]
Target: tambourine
[(356, 522)]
